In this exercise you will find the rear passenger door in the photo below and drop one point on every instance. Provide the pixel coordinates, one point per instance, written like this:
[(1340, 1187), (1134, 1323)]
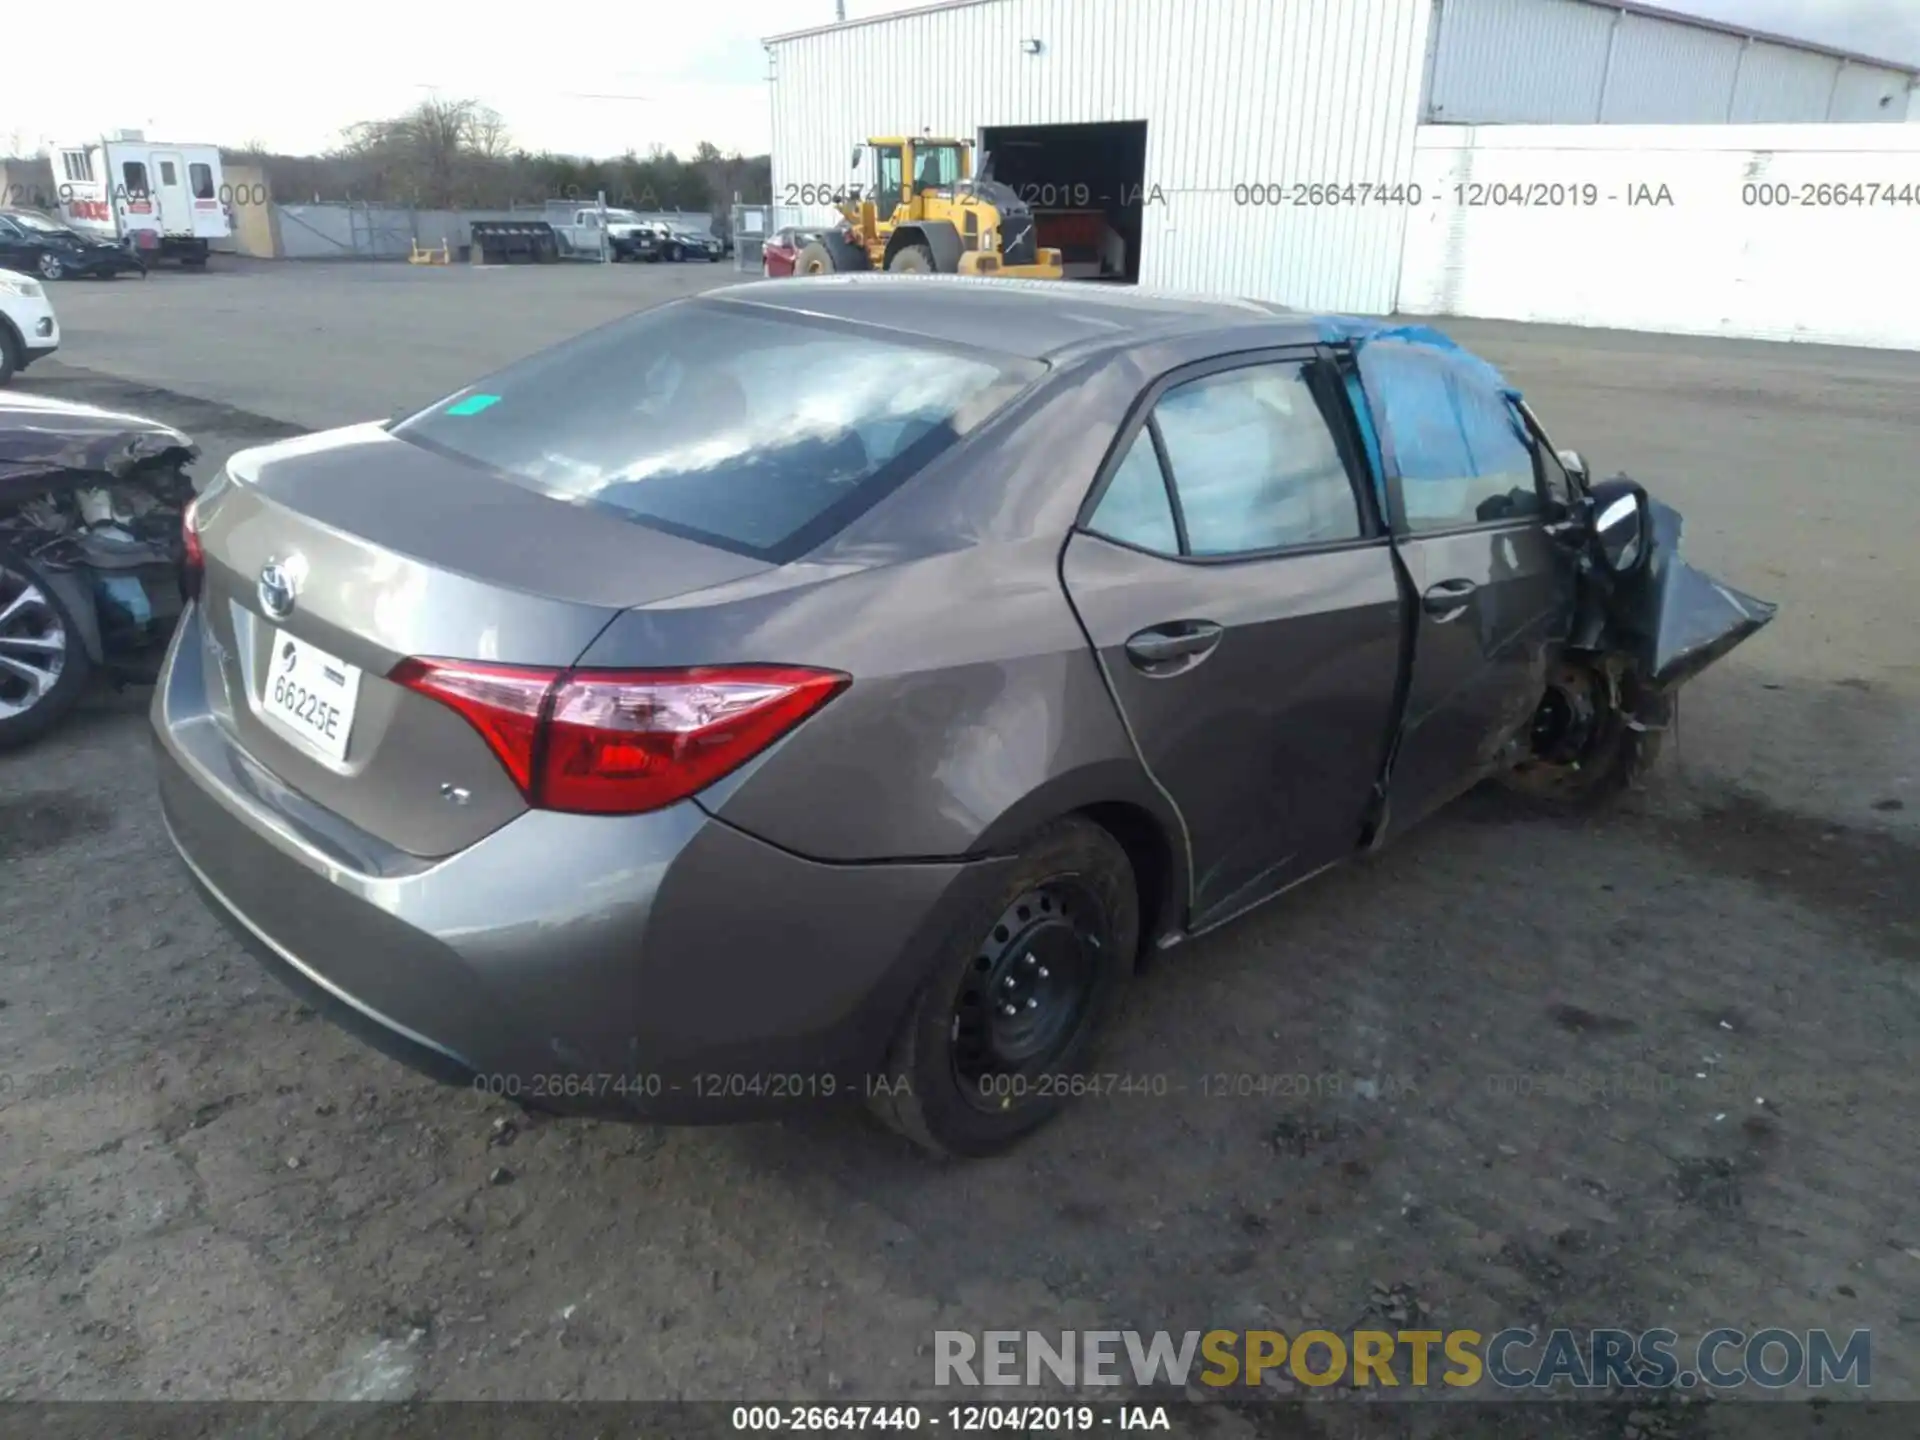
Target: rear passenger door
[(1469, 507), (1240, 592)]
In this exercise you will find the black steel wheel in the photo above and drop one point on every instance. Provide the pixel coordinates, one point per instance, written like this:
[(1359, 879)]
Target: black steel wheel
[(999, 1038), (1585, 748), (1035, 979)]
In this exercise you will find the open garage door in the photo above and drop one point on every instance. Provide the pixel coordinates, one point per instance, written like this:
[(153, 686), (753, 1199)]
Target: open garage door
[(1086, 185)]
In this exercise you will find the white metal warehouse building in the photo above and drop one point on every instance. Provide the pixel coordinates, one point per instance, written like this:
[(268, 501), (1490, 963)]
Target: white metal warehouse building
[(1192, 121)]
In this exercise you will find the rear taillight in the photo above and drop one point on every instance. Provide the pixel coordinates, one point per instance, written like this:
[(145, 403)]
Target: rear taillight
[(193, 556), (621, 742)]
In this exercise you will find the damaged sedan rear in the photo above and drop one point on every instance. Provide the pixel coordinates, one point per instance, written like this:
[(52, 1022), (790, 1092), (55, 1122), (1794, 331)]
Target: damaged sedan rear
[(836, 686), (91, 551)]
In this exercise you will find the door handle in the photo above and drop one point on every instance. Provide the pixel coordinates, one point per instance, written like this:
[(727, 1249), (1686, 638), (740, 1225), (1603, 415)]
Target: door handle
[(1179, 640), (1448, 597)]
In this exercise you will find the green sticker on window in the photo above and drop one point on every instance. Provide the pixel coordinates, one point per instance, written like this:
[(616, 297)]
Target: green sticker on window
[(473, 405)]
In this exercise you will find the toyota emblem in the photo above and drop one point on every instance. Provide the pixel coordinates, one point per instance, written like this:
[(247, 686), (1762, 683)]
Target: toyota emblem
[(277, 588)]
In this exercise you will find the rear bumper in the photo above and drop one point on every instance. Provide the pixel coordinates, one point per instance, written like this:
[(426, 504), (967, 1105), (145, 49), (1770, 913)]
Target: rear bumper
[(664, 966)]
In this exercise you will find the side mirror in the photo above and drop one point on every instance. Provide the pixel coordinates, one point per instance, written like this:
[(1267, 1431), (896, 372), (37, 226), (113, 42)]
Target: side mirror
[(858, 150), (1617, 525), (1574, 463)]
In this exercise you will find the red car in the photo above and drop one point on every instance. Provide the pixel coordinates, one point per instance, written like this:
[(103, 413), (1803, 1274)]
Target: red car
[(782, 250)]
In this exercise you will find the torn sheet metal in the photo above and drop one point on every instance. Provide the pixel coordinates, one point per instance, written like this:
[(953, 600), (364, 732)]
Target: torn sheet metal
[(91, 501), (47, 443), (1675, 620), (1429, 408)]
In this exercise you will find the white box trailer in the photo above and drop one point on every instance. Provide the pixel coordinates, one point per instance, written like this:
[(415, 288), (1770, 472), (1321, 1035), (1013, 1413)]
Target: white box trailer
[(161, 200)]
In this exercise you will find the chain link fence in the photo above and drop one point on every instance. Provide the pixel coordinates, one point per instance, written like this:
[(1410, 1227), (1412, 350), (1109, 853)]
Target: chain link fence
[(358, 231), (354, 230)]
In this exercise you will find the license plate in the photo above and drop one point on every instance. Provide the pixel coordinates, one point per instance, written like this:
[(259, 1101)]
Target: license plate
[(312, 693)]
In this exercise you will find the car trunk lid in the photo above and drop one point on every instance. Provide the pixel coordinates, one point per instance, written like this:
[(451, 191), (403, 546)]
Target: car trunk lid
[(306, 615)]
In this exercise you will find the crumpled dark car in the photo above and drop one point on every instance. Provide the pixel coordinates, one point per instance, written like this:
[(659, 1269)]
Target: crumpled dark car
[(833, 687), (38, 244), (91, 551)]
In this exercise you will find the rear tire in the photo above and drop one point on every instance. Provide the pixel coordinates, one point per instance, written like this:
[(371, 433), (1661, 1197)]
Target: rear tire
[(41, 635), (51, 267), (988, 1051), (913, 260)]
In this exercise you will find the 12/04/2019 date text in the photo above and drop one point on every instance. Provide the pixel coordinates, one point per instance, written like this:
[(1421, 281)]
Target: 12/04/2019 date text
[(1472, 195), (737, 1085), (956, 1419)]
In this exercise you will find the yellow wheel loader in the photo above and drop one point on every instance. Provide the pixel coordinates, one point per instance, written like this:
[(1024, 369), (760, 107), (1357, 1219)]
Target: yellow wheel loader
[(925, 211)]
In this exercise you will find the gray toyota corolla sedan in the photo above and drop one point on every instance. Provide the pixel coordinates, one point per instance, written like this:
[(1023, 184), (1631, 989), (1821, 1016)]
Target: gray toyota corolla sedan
[(834, 687)]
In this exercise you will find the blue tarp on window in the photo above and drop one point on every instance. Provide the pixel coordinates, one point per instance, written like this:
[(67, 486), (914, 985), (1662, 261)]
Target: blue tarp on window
[(1357, 395), (1441, 412)]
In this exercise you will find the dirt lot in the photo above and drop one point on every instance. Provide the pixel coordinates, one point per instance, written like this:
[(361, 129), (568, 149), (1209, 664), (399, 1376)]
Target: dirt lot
[(1651, 1070)]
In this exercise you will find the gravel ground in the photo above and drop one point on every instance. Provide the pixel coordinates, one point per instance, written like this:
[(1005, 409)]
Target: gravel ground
[(1651, 1069)]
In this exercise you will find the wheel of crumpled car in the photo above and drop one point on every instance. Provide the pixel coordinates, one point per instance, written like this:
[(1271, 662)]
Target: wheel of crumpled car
[(44, 665), (1614, 760)]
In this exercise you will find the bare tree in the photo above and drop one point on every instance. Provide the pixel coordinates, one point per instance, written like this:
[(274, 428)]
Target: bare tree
[(426, 154), (489, 139), (459, 153)]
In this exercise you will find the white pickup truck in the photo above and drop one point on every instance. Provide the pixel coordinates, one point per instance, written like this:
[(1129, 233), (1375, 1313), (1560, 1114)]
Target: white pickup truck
[(626, 235)]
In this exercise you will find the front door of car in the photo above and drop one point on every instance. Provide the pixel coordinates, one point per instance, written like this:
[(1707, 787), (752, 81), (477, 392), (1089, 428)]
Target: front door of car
[(1243, 601), (1469, 513), (17, 252)]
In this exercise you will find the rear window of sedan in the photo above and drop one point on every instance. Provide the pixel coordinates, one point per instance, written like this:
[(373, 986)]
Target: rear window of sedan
[(754, 430)]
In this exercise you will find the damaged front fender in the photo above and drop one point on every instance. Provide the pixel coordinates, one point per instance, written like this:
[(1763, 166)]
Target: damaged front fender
[(1670, 619), (90, 507), (48, 444)]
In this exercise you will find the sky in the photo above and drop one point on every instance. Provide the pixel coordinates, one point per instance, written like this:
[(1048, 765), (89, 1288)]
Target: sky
[(693, 73)]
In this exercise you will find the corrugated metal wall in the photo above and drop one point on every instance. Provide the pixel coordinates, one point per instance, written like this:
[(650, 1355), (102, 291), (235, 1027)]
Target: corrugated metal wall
[(1510, 62), (1776, 81), (1745, 242), (1234, 93), (1566, 62), (1671, 75)]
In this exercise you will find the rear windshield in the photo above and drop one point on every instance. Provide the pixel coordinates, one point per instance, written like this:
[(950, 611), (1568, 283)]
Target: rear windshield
[(760, 433)]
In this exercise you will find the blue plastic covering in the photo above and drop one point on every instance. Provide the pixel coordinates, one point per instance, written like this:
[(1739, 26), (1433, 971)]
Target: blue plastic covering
[(1364, 333), (1439, 412), (125, 596), (1357, 395)]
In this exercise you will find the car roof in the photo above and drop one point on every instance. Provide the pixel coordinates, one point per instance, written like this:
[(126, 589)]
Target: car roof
[(1033, 319)]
